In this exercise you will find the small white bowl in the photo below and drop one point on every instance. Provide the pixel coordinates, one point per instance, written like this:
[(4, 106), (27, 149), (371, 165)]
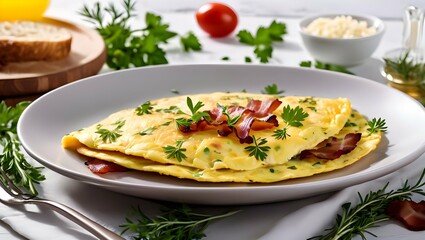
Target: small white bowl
[(342, 51)]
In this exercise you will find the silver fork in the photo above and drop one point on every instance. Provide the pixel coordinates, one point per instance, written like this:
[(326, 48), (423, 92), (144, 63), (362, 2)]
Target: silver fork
[(10, 194)]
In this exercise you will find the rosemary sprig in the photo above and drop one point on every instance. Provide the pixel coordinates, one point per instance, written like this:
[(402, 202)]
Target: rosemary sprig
[(369, 211), (12, 161), (179, 223)]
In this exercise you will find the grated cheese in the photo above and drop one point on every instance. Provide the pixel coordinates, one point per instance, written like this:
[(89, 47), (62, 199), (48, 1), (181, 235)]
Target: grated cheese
[(339, 27)]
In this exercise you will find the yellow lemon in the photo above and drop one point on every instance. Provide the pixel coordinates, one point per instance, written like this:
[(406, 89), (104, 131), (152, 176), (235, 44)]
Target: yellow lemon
[(22, 9)]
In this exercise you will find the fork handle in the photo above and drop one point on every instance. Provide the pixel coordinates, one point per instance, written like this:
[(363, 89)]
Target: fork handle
[(96, 229)]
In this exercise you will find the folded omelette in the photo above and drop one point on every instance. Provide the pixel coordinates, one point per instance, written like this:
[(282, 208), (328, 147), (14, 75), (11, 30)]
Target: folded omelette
[(229, 137)]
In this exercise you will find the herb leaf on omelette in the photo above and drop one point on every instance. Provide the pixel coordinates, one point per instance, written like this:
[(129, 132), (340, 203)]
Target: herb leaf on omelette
[(196, 115), (110, 135), (376, 125), (175, 151), (258, 150), (292, 117), (144, 108)]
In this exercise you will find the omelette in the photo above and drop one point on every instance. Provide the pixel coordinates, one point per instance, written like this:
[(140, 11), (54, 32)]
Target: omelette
[(180, 137)]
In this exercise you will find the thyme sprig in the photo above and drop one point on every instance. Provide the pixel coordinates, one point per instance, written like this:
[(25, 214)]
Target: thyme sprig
[(179, 223), (12, 160), (369, 211)]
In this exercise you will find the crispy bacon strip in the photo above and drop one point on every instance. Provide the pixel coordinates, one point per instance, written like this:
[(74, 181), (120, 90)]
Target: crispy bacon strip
[(333, 148), (100, 166), (410, 214), (256, 116)]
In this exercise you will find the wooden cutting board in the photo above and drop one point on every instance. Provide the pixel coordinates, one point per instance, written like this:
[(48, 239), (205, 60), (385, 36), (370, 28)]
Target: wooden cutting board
[(31, 79)]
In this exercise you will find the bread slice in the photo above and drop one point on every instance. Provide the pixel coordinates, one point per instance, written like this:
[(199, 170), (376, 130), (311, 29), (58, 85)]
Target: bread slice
[(22, 41)]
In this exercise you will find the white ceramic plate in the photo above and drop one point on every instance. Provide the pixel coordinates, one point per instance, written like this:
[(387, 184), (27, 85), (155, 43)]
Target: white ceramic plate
[(85, 102)]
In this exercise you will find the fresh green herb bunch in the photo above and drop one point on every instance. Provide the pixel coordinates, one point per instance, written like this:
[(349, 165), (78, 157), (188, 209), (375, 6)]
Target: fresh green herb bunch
[(133, 48), (369, 211), (263, 39), (177, 222), (12, 161), (405, 68)]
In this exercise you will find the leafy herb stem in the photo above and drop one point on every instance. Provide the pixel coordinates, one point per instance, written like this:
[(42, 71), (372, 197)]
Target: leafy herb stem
[(369, 211), (179, 223), (12, 160)]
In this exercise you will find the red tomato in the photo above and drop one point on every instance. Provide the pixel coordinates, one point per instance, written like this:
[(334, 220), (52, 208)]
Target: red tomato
[(217, 19)]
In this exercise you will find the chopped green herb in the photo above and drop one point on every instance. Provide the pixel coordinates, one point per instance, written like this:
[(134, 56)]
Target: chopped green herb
[(272, 170), (175, 91), (147, 131), (350, 124), (190, 42), (326, 66), (316, 163), (258, 150), (225, 58), (206, 150), (144, 108), (292, 167), (165, 124), (171, 109), (231, 120), (309, 100), (376, 125), (248, 60), (272, 90), (312, 108), (175, 152), (110, 135), (280, 134)]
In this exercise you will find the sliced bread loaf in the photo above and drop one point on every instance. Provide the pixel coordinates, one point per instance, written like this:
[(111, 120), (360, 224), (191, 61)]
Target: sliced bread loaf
[(22, 41)]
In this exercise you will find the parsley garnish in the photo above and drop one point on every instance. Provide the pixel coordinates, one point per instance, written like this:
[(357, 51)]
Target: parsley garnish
[(280, 134), (171, 109), (231, 121), (128, 47), (195, 114), (326, 66), (258, 150), (292, 117), (376, 125), (110, 136), (147, 131), (263, 39), (12, 160), (272, 90), (175, 152), (190, 42), (144, 108), (225, 58), (177, 222), (309, 100)]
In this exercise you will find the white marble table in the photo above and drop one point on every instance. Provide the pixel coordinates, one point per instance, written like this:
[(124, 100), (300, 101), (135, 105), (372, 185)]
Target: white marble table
[(266, 221)]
